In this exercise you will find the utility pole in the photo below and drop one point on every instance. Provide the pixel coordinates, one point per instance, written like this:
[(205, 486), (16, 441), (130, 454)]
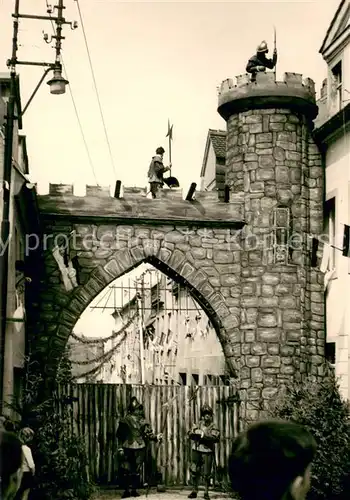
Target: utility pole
[(57, 86), (140, 296)]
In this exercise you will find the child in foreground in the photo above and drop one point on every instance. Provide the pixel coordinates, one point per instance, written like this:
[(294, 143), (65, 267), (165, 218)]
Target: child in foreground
[(28, 467), (272, 461)]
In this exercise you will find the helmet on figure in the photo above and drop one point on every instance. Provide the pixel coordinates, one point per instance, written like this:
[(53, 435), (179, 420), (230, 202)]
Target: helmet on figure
[(134, 404), (160, 150), (206, 410), (262, 48)]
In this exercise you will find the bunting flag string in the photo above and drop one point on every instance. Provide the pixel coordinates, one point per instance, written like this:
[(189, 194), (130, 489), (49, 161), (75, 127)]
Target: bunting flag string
[(107, 356), (105, 339), (101, 357)]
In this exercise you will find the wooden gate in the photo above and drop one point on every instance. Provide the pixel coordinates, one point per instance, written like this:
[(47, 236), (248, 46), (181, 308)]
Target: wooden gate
[(97, 408)]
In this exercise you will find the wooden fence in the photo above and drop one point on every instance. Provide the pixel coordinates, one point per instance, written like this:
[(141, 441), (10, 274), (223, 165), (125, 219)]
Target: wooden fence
[(95, 410)]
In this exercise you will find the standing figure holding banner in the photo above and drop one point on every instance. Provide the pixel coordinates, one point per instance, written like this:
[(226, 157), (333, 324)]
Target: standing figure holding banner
[(133, 434), (204, 436), (156, 171)]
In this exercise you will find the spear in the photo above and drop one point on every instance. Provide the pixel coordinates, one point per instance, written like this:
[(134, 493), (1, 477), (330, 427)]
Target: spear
[(170, 135), (274, 45)]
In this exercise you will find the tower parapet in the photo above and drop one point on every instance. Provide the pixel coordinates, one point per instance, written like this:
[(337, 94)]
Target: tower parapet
[(274, 164), (293, 92)]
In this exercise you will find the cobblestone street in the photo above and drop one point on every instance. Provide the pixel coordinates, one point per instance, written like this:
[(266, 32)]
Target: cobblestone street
[(169, 495)]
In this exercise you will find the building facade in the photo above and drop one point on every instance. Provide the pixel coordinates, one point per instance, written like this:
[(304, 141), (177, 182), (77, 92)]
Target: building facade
[(180, 346), (22, 213), (213, 166), (332, 132)]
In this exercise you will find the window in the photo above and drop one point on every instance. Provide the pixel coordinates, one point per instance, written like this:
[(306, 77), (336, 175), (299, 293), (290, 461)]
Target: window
[(336, 91), (330, 352), (195, 379), (183, 378), (329, 230), (281, 235)]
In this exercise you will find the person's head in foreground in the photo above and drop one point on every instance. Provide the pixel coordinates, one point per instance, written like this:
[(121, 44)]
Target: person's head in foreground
[(26, 435), (10, 464), (271, 460)]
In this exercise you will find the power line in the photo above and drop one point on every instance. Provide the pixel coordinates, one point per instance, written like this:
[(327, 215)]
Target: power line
[(95, 85), (75, 107)]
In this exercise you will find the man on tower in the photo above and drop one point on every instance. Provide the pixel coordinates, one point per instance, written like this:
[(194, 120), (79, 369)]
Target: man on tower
[(156, 171), (204, 436), (259, 62), (133, 434)]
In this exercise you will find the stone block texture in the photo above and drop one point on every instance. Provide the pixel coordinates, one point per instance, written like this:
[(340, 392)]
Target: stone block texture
[(272, 158), (207, 260), (256, 283)]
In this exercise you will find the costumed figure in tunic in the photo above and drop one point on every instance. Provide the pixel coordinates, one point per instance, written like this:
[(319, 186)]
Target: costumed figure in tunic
[(259, 62), (133, 434), (204, 436), (156, 171)]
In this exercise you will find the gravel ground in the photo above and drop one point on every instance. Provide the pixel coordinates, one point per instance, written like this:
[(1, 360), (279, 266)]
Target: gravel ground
[(154, 495)]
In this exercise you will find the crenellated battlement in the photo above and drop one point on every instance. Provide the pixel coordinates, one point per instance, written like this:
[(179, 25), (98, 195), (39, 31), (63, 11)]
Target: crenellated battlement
[(107, 191), (267, 79), (133, 204), (293, 92), (132, 192)]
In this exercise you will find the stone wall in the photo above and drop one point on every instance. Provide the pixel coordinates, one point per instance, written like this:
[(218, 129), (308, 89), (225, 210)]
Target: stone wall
[(195, 249), (255, 283), (271, 157)]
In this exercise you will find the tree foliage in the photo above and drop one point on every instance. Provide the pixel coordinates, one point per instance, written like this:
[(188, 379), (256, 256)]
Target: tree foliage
[(60, 456), (320, 408)]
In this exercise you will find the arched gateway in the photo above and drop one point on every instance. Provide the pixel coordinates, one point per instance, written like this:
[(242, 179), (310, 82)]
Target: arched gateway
[(247, 261), (196, 243)]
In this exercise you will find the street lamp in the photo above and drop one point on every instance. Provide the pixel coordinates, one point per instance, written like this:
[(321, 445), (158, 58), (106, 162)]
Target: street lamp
[(57, 86), (57, 83)]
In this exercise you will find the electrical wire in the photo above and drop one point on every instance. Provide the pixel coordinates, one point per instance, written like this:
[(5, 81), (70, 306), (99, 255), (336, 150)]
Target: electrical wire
[(74, 106), (95, 85)]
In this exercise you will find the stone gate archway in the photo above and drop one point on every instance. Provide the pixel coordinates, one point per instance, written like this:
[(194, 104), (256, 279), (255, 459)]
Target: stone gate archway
[(196, 245), (267, 295)]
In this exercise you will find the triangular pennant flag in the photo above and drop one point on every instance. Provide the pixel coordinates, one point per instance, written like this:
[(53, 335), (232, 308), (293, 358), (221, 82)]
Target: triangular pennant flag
[(170, 131), (325, 257), (346, 241)]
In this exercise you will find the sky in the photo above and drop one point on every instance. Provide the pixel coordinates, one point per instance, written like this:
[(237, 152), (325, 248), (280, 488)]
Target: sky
[(97, 319), (152, 61)]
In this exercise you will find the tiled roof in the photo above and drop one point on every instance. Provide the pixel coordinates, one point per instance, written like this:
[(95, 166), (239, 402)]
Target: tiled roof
[(218, 139)]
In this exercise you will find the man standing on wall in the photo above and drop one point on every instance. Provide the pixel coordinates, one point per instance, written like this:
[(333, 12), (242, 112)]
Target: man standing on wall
[(204, 436), (156, 171), (259, 62), (133, 434)]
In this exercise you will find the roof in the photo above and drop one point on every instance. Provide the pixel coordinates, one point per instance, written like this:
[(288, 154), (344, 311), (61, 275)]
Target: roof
[(218, 139), (338, 25)]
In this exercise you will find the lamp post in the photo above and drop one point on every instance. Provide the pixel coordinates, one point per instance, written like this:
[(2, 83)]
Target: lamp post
[(57, 86)]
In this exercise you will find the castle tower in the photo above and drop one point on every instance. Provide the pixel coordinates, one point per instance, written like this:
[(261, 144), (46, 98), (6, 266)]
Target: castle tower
[(273, 161)]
